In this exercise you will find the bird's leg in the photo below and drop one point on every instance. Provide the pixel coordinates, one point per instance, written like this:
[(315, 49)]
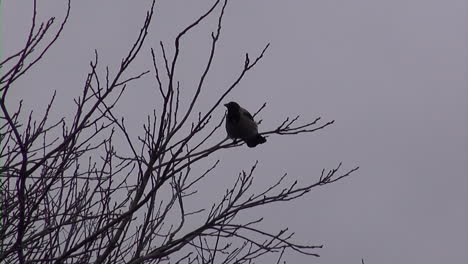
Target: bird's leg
[(234, 140)]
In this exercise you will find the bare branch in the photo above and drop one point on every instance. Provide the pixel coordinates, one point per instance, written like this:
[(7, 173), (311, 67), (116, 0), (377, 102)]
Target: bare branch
[(88, 190)]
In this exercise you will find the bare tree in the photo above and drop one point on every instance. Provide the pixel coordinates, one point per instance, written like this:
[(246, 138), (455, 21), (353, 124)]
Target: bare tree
[(69, 194)]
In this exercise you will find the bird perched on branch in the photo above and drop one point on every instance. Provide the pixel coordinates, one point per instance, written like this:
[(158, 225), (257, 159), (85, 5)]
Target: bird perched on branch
[(241, 125)]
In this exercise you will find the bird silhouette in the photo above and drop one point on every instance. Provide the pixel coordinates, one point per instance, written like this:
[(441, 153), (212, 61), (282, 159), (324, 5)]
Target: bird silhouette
[(241, 125)]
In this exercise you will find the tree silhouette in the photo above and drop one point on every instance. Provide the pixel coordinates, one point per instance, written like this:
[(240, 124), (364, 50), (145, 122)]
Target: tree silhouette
[(71, 194)]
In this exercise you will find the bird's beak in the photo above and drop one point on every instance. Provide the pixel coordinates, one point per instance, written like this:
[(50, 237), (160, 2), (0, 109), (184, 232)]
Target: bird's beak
[(225, 105)]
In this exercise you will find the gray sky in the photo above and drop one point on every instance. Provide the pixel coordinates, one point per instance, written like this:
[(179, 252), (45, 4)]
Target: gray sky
[(393, 74)]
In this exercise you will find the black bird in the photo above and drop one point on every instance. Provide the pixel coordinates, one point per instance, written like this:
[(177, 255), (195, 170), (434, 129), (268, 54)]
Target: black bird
[(241, 125)]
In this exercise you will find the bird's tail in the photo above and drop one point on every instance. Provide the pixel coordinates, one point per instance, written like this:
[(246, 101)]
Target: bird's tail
[(255, 140)]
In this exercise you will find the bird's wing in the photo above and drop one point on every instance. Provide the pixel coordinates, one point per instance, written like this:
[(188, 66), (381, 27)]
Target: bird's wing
[(247, 114)]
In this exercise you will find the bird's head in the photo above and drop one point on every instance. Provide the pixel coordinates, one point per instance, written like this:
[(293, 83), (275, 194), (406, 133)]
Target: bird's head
[(232, 106)]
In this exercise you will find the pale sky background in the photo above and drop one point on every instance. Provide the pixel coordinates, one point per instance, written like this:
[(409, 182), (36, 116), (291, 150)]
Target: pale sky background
[(393, 74)]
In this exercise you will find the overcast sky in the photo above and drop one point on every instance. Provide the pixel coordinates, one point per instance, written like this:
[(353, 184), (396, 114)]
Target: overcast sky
[(393, 74)]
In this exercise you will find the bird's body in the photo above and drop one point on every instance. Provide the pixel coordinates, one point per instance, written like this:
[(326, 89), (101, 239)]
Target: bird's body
[(241, 125)]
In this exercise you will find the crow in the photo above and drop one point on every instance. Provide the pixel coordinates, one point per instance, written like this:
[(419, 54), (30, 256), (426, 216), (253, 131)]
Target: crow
[(241, 125)]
